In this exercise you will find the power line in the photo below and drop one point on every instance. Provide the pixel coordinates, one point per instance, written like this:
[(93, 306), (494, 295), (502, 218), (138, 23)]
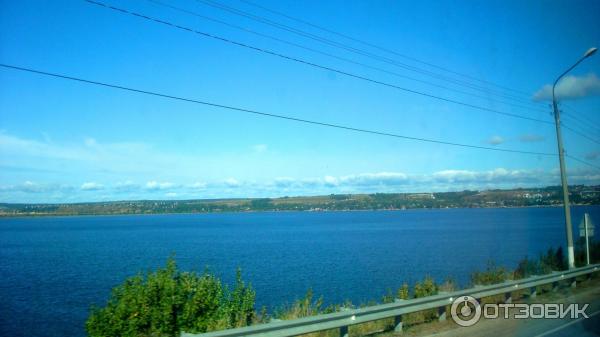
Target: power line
[(271, 115), (336, 70), (327, 41), (298, 60), (582, 126), (211, 19), (335, 43), (380, 47), (583, 161), (581, 134), (283, 117), (585, 127), (264, 20), (581, 118)]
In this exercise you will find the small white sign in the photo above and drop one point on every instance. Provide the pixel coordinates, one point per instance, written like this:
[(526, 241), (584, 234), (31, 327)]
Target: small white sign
[(582, 229)]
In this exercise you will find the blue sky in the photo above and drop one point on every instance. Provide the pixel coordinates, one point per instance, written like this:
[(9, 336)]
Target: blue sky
[(63, 141)]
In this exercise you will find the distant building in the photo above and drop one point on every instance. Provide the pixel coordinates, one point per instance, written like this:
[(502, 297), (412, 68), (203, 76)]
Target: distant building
[(421, 196)]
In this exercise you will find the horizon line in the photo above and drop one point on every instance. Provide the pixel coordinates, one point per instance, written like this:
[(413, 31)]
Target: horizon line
[(286, 196)]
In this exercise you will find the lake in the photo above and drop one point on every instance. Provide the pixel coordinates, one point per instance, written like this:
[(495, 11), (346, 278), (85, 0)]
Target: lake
[(54, 268)]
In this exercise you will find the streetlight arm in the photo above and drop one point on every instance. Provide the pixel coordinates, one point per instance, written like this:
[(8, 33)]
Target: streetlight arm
[(563, 74), (587, 54)]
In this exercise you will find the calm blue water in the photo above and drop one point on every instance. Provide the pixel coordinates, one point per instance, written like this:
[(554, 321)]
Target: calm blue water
[(54, 268)]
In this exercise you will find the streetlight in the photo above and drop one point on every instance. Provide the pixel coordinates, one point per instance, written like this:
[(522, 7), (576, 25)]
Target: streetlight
[(561, 157)]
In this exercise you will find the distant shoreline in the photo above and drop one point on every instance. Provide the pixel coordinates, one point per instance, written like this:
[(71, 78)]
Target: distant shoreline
[(550, 196), (51, 215)]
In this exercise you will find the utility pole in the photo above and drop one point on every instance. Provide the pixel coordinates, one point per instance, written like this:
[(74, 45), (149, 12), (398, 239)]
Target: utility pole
[(561, 158), (565, 188)]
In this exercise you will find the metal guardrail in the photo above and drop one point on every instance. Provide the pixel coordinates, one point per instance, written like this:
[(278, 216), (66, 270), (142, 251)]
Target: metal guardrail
[(342, 320)]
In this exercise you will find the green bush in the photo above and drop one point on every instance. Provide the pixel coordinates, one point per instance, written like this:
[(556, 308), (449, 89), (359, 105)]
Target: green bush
[(491, 275), (403, 292), (166, 302), (553, 260), (527, 268), (388, 297), (424, 289), (427, 288), (303, 308), (449, 285)]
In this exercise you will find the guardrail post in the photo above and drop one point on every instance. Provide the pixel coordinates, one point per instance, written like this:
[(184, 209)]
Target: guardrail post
[(344, 331), (533, 292), (574, 282), (343, 322), (398, 323), (508, 297), (442, 313)]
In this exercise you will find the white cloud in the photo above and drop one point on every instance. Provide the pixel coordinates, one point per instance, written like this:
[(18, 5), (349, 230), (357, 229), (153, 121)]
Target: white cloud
[(90, 142), (454, 176), (154, 185), (310, 182), (231, 182), (496, 176), (91, 186), (331, 181), (29, 186), (260, 148), (126, 186), (381, 178), (593, 155), (284, 182), (15, 146), (444, 180), (584, 177), (531, 138), (90, 150), (571, 87), (197, 186), (34, 187), (495, 140), (92, 159)]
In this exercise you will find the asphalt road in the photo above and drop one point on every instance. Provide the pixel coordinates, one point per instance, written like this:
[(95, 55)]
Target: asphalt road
[(566, 327), (580, 327)]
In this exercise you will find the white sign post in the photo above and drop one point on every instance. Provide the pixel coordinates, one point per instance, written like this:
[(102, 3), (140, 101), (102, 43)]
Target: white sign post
[(586, 229)]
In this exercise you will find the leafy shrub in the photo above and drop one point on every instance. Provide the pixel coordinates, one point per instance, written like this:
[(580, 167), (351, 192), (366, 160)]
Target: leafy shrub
[(166, 302), (303, 308), (449, 285), (403, 292), (491, 275), (553, 260), (389, 297), (427, 288), (424, 289), (527, 268)]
